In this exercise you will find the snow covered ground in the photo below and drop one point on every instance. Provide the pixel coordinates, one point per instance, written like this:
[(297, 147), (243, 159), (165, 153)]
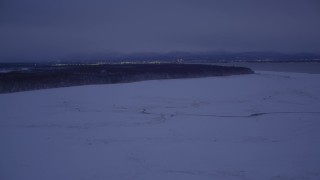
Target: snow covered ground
[(248, 127)]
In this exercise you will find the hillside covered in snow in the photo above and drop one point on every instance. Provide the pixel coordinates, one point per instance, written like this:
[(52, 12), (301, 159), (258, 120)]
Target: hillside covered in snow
[(263, 126)]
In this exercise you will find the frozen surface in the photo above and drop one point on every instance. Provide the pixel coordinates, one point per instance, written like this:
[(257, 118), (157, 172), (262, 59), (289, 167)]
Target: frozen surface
[(249, 127)]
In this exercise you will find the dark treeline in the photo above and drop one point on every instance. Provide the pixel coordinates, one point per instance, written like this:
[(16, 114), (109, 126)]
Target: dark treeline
[(73, 75)]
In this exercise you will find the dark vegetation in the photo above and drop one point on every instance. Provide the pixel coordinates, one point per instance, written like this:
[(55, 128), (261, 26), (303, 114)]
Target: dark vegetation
[(48, 76)]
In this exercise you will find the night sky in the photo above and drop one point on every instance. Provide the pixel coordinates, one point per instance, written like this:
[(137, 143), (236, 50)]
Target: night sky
[(49, 28)]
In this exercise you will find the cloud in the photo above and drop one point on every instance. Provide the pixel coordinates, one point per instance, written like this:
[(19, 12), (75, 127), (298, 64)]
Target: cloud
[(62, 27)]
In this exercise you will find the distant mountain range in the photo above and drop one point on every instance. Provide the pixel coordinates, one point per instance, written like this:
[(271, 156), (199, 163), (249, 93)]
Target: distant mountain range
[(195, 57), (188, 57)]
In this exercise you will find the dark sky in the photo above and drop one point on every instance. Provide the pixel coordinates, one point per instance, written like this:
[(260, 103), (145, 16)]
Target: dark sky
[(65, 27)]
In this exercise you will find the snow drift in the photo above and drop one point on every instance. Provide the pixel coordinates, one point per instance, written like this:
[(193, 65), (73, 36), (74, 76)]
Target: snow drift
[(259, 126)]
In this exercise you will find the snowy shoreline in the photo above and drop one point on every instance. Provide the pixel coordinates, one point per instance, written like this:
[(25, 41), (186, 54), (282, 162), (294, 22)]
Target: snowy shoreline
[(50, 76)]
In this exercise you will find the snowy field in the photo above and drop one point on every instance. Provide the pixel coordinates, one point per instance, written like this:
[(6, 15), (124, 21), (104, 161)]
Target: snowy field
[(264, 126)]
